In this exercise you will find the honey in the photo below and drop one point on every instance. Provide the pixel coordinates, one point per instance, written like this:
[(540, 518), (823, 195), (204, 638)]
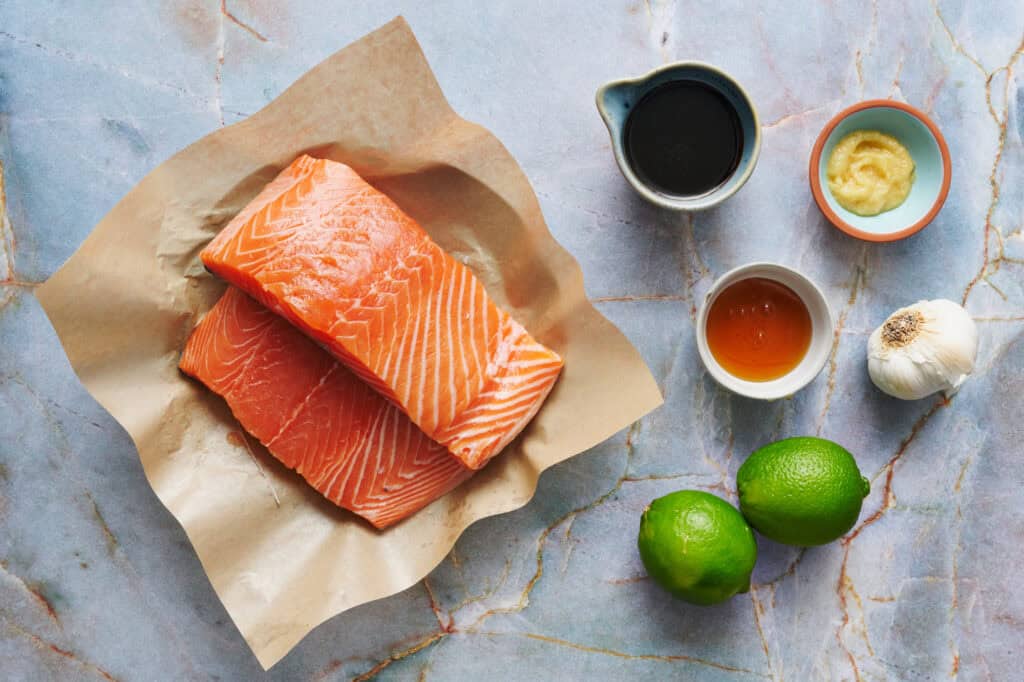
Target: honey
[(758, 329)]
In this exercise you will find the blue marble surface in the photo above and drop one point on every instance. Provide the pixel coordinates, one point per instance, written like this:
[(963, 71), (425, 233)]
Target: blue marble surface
[(97, 580)]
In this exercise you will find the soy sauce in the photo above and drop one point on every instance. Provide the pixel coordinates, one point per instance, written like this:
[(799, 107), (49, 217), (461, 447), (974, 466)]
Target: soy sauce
[(683, 138)]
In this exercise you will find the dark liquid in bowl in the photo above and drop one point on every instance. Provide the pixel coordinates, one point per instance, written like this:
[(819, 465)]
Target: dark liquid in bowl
[(683, 138)]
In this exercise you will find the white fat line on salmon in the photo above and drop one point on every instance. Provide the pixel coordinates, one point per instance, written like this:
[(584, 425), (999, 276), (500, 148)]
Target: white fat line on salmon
[(340, 465), (436, 402), (299, 408), (459, 337), (451, 343), (406, 399)]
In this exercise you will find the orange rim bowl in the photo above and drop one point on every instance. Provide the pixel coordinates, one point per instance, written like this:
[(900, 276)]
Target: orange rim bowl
[(813, 171)]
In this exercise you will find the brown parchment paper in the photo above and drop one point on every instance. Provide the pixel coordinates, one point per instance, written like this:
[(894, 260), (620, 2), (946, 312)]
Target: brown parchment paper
[(281, 558)]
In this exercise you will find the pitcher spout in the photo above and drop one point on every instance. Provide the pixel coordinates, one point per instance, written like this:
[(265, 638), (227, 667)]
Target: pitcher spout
[(614, 100)]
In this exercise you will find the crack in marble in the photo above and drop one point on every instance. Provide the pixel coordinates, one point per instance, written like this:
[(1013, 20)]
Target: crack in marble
[(226, 14), (895, 87), (768, 59), (993, 202), (110, 171), (45, 401), (487, 594), (108, 535), (1008, 619), (888, 499), (128, 570), (929, 101), (1019, 318), (789, 118), (713, 463), (860, 607), (790, 570), (780, 420), (999, 355), (44, 406), (629, 581), (405, 653), (8, 290), (331, 668), (845, 583), (758, 613), (1002, 294), (438, 636), (691, 264), (34, 590), (74, 413), (436, 608), (659, 22), (858, 65), (457, 565), (524, 597), (45, 645), (218, 72), (957, 47), (858, 56), (8, 241), (128, 74), (730, 450), (664, 658), (590, 211), (859, 281), (954, 561), (670, 366), (664, 477), (990, 265), (567, 541), (635, 298)]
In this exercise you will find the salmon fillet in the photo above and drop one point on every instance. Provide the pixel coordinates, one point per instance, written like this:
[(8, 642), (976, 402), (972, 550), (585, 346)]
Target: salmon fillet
[(360, 451), (344, 264)]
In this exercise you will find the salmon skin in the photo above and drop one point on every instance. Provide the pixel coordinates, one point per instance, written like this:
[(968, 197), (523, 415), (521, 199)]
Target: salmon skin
[(315, 416), (339, 260)]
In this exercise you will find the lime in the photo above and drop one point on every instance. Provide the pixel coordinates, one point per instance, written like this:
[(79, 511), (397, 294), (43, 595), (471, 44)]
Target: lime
[(697, 546), (801, 491)]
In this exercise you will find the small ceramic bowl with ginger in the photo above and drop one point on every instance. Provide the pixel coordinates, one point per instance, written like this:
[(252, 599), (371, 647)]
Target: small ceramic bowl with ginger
[(894, 122)]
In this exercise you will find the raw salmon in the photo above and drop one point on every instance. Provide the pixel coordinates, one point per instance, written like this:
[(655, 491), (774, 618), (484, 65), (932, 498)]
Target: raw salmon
[(344, 264), (360, 451)]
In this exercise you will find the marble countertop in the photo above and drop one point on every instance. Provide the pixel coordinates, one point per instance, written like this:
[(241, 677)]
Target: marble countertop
[(97, 580)]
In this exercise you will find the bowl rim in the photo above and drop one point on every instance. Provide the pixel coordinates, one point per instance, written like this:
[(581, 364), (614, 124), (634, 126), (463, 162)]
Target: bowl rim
[(818, 191), (679, 204), (790, 383)]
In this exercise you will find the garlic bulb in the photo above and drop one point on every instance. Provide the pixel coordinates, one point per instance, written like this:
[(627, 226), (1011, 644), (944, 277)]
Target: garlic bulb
[(926, 347)]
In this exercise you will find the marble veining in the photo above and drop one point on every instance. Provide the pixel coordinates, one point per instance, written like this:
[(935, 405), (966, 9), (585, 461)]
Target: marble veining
[(97, 580)]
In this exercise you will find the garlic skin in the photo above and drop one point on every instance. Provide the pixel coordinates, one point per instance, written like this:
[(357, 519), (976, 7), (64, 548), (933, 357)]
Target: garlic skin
[(921, 349)]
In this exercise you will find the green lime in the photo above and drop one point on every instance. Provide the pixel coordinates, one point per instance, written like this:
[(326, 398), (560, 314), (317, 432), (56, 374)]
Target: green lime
[(801, 491), (697, 546)]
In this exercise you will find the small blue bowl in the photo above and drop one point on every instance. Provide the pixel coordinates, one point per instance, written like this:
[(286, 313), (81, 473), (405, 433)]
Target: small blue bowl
[(616, 99), (932, 169)]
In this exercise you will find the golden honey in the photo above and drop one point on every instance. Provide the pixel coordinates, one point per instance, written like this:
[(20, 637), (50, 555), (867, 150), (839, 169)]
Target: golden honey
[(758, 329)]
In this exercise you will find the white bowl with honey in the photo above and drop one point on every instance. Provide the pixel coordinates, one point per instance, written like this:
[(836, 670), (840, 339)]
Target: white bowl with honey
[(764, 331)]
